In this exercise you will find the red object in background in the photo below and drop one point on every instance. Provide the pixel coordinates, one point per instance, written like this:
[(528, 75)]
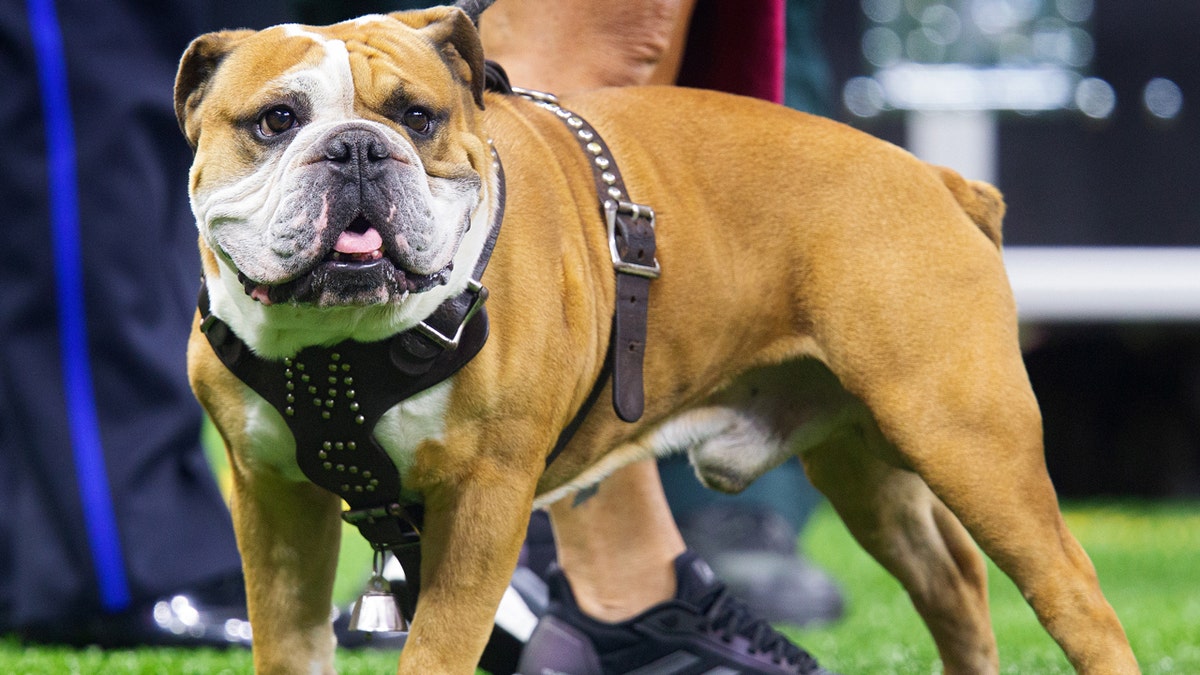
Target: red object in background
[(736, 46)]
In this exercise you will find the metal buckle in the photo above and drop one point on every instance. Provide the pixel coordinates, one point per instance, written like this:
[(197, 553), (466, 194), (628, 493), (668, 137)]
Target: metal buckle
[(451, 343), (544, 97), (611, 209)]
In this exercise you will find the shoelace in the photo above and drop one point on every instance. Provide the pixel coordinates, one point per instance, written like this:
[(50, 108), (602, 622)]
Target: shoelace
[(728, 616)]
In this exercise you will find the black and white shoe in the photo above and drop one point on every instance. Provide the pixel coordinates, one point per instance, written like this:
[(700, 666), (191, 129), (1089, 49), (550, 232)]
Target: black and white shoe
[(702, 630)]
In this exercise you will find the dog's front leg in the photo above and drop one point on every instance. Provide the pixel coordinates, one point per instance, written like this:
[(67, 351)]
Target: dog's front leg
[(288, 533), (473, 533)]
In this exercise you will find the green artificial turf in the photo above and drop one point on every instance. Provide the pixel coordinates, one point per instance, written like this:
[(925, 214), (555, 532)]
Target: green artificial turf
[(1147, 555)]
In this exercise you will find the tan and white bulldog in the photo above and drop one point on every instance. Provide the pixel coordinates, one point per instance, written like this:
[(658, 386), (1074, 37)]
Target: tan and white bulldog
[(822, 294)]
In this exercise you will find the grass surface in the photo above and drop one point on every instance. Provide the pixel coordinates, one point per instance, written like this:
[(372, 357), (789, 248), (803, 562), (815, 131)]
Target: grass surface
[(1148, 557)]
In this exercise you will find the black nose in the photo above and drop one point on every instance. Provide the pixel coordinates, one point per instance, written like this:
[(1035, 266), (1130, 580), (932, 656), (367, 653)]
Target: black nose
[(357, 148)]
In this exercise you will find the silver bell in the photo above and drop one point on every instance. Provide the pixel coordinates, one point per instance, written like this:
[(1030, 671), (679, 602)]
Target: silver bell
[(376, 610)]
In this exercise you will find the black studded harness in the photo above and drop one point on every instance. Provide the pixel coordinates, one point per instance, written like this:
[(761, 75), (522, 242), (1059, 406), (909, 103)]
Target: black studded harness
[(331, 398)]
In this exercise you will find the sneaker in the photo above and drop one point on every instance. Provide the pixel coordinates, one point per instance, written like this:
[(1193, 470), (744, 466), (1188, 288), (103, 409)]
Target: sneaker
[(753, 549), (703, 629)]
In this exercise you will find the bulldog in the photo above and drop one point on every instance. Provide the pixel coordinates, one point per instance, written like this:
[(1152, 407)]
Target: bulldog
[(805, 290)]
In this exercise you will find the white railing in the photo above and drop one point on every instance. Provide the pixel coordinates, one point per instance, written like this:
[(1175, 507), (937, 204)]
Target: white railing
[(1054, 284)]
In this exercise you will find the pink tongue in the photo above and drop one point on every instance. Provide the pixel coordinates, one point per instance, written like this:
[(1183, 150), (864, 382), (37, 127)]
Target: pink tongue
[(353, 242)]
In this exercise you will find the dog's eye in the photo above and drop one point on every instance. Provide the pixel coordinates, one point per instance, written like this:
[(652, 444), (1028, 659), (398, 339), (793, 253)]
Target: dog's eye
[(419, 120), (276, 121)]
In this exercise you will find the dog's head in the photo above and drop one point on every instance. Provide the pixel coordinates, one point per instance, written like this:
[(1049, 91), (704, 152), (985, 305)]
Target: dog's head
[(339, 166)]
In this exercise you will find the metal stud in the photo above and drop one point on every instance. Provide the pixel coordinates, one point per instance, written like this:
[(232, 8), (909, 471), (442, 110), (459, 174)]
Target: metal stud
[(288, 373), (359, 419), (354, 407), (345, 367), (352, 445), (325, 414), (305, 378), (608, 177), (353, 469), (341, 467), (291, 399), (339, 445), (614, 193), (348, 381), (300, 367), (291, 386), (350, 393), (332, 379), (317, 402), (333, 367), (287, 362), (367, 474), (323, 455), (586, 134), (332, 391), (328, 445), (345, 488), (563, 113), (327, 465), (358, 488), (602, 162), (575, 122), (370, 488), (329, 403), (594, 148), (289, 411), (335, 356)]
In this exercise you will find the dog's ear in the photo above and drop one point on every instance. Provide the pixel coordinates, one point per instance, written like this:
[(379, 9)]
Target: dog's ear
[(196, 68), (474, 8), (457, 38)]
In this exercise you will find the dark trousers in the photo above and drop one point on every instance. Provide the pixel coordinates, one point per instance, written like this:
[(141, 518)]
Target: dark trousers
[(106, 499)]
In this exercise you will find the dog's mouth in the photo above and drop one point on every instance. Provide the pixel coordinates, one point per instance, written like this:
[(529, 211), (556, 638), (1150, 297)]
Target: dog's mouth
[(357, 265)]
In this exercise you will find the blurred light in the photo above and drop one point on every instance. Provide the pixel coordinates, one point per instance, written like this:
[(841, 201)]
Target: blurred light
[(882, 47), (863, 96), (1083, 47), (882, 11), (1014, 49), (957, 87), (999, 16), (915, 7), (941, 24), (921, 49), (1163, 98), (1054, 40), (1077, 11), (1095, 98)]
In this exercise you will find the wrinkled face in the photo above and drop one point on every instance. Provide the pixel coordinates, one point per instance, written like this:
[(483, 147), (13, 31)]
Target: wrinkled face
[(335, 166)]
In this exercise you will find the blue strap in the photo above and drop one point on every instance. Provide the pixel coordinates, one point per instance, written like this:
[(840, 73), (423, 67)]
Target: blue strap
[(98, 516)]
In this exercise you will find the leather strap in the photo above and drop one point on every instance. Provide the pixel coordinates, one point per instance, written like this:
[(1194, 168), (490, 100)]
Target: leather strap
[(632, 247)]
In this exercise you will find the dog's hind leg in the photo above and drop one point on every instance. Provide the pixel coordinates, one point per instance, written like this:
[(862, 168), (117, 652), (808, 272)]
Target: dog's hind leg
[(964, 418), (895, 517), (977, 443)]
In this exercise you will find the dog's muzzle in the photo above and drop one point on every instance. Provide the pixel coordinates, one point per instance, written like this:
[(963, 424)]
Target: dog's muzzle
[(361, 177)]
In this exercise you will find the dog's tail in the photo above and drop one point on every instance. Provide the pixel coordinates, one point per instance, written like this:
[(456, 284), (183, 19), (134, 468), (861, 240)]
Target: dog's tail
[(982, 202)]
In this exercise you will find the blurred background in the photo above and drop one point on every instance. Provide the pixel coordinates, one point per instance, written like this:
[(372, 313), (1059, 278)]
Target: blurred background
[(1086, 113)]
